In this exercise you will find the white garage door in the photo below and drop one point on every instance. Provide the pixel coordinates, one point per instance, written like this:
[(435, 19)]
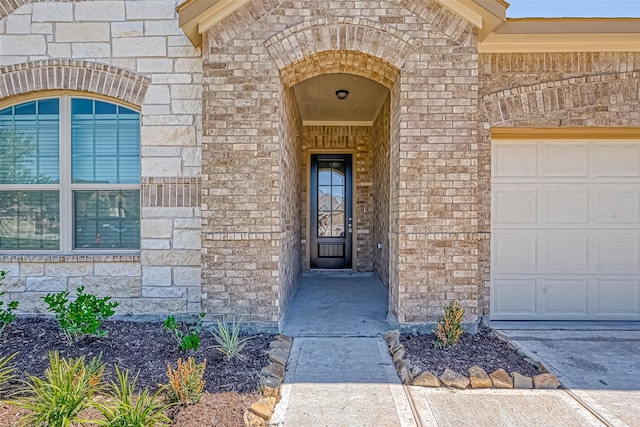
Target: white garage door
[(565, 241)]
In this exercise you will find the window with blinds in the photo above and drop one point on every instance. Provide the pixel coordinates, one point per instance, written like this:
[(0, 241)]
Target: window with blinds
[(69, 175)]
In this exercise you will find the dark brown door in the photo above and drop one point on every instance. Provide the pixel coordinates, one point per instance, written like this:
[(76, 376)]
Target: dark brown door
[(331, 213)]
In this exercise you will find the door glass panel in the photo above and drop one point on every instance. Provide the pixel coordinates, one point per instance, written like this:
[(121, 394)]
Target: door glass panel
[(331, 199)]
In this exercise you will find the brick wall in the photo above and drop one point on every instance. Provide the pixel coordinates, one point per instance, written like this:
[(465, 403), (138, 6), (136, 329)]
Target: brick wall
[(131, 51), (380, 136)]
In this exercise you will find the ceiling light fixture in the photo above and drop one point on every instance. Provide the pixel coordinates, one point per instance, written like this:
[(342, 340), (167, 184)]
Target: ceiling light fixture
[(342, 94)]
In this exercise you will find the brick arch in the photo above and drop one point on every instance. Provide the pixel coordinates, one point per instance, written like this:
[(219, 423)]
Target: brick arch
[(81, 76), (456, 28), (341, 36), (551, 103), (348, 62)]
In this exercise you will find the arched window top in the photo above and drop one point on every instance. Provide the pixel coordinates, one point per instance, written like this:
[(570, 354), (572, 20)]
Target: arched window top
[(70, 175)]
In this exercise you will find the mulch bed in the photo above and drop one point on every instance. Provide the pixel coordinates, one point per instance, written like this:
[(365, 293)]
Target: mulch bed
[(147, 348), (483, 349)]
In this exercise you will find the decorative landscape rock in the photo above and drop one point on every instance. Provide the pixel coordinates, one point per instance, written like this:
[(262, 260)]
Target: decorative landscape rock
[(426, 379), (275, 370), (278, 355), (392, 338), (284, 338), (453, 379), (501, 379), (403, 367), (521, 381), (264, 407), (270, 384), (478, 378), (546, 381), (397, 352), (280, 344), (252, 420)]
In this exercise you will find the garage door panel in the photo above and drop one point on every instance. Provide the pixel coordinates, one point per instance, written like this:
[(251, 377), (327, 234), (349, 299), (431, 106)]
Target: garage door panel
[(515, 205), (514, 297), (617, 297), (565, 240), (564, 160), (616, 252), (565, 297), (514, 252), (616, 204), (514, 160), (616, 159), (567, 204), (564, 252)]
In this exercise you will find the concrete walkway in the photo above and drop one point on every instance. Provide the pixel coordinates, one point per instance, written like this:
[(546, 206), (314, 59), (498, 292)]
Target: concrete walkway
[(340, 372), (600, 367)]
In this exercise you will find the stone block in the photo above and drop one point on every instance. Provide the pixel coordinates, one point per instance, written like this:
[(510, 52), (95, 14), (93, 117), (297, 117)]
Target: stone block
[(156, 228), (46, 284), (163, 292), (11, 268), (155, 244), (156, 276), (186, 92), (501, 379), (140, 47), (278, 355), (52, 12), (426, 379), (59, 50), (14, 284), (188, 65), (70, 269), (187, 276), (117, 269), (150, 9), (158, 306), (273, 370), (99, 11), (24, 45), (164, 212), (117, 287), (161, 166), (91, 50), (162, 28), (453, 379), (195, 223), (168, 135), (157, 94), (18, 24), (252, 420), (176, 257), (155, 65), (186, 239), (521, 381), (127, 29), (479, 378), (82, 32), (546, 381), (264, 407), (183, 106), (392, 338)]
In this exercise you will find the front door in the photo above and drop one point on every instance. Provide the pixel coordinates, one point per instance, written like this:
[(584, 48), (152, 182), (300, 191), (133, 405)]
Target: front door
[(331, 216)]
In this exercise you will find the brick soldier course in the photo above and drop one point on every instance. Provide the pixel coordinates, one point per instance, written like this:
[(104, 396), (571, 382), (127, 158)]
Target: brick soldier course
[(225, 153)]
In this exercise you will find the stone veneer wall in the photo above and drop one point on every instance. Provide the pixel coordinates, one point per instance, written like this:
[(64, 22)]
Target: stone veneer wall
[(131, 51), (428, 58), (356, 138), (381, 187), (582, 89)]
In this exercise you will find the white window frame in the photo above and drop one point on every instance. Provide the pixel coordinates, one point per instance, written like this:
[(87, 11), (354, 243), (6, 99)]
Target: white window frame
[(66, 188)]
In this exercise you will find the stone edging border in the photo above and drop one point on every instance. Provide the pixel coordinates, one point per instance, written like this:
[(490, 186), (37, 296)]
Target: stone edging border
[(477, 378), (271, 377)]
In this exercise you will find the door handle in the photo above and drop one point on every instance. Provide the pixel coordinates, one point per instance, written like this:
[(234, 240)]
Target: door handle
[(350, 225)]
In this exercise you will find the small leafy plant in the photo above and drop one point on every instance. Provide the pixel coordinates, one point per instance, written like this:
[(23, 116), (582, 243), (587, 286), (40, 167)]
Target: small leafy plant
[(228, 338), (80, 317), (124, 409), (68, 389), (6, 314), (187, 336), (185, 382), (449, 329)]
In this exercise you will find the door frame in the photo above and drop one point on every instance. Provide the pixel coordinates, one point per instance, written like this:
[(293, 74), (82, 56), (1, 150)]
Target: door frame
[(354, 196)]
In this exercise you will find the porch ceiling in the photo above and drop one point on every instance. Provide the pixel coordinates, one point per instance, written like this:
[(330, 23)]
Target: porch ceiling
[(318, 103)]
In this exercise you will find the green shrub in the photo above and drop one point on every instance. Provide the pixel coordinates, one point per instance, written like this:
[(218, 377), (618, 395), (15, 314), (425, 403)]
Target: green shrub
[(124, 410), (449, 329), (6, 314), (187, 336), (80, 317), (185, 382), (68, 389), (228, 339)]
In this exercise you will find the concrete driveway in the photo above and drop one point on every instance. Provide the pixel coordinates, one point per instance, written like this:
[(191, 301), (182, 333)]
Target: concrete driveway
[(598, 363)]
